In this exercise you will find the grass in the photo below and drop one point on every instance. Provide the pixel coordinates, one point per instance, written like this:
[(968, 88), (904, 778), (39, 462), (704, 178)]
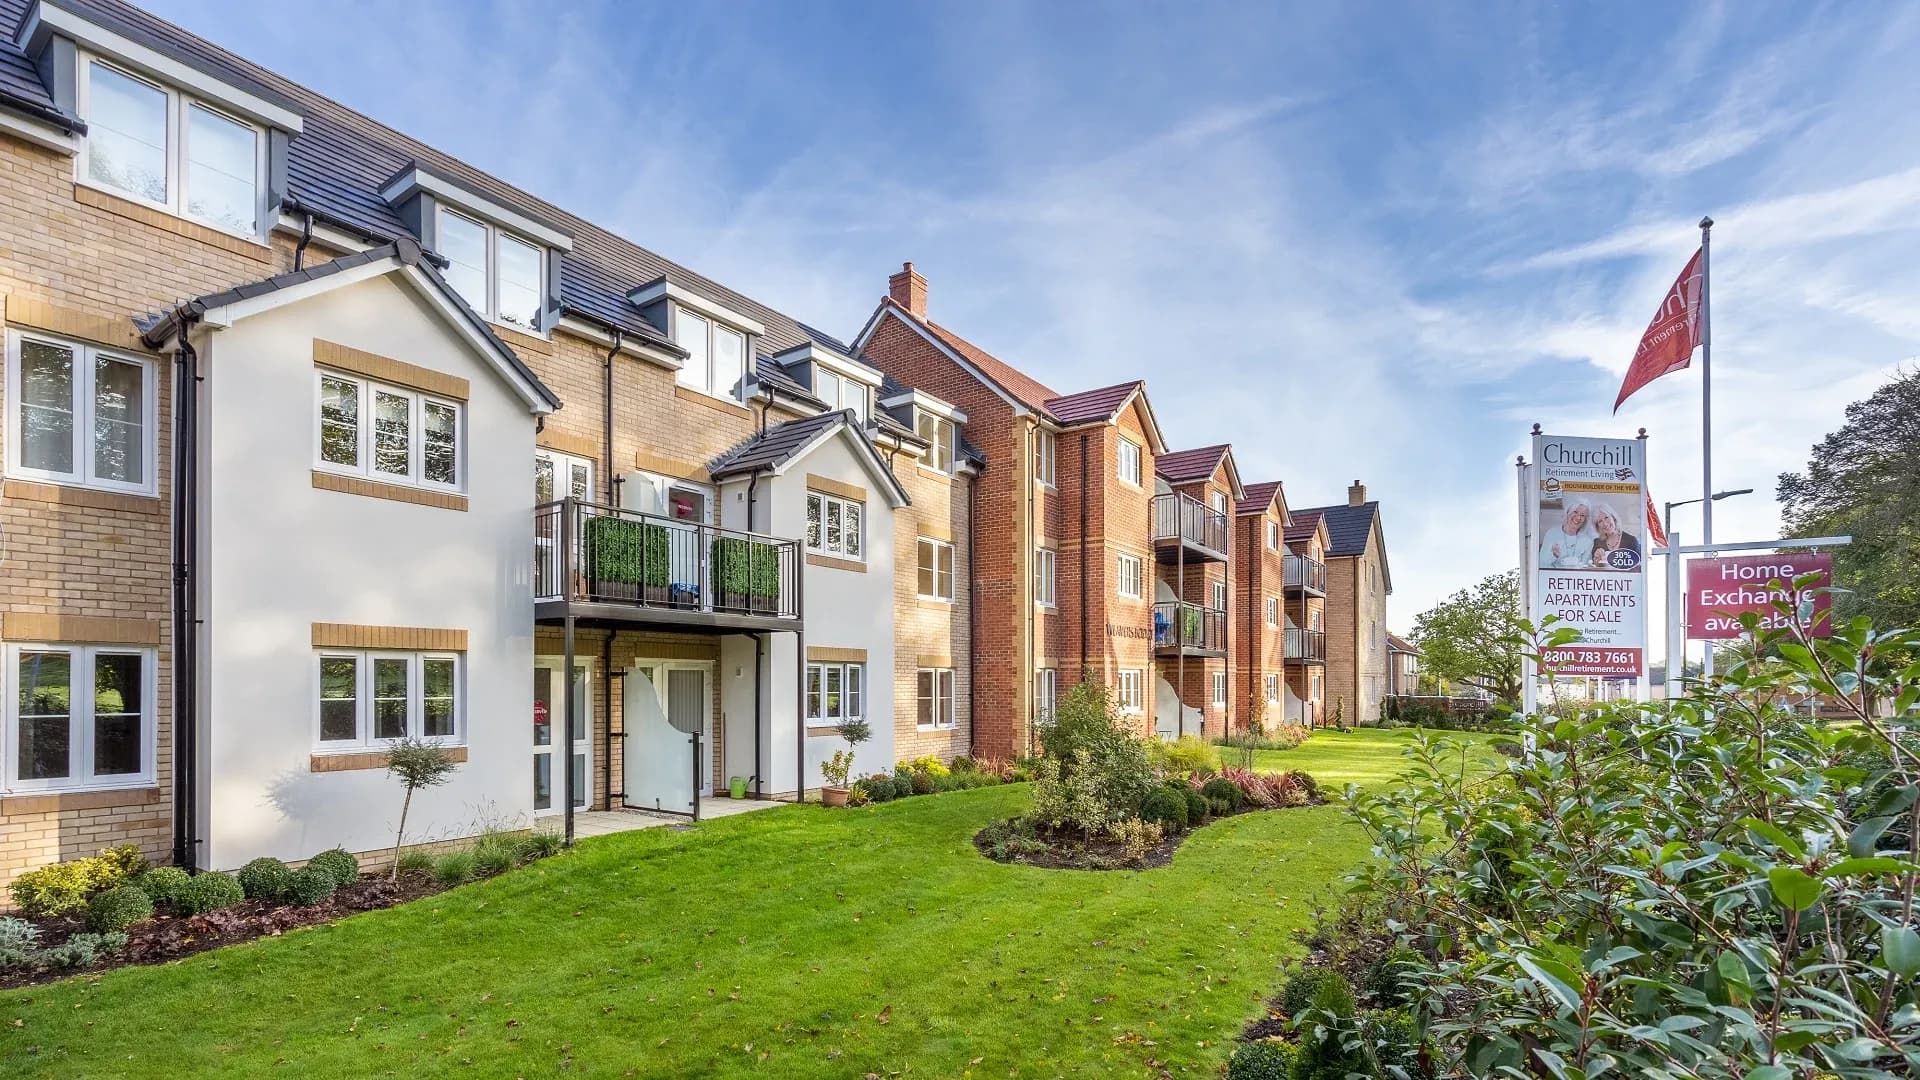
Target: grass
[(794, 942)]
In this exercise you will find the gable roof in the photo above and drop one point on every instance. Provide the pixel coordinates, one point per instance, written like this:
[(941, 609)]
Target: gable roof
[(1199, 464), (1256, 498), (1396, 643), (780, 446), (403, 256), (1348, 527), (1014, 383), (1101, 404), (1303, 524)]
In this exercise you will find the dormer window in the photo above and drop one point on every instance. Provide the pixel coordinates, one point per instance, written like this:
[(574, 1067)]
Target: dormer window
[(840, 392), (497, 273), (716, 355), (158, 146), (938, 431)]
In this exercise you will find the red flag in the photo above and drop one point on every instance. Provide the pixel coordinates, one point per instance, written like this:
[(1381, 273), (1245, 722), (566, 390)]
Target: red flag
[(1656, 532), (1668, 344)]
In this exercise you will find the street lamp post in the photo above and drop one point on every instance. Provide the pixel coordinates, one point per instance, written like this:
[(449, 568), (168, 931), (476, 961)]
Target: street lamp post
[(1717, 496)]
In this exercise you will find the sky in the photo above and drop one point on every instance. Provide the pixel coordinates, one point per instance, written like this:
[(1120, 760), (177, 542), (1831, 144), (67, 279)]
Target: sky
[(1358, 241)]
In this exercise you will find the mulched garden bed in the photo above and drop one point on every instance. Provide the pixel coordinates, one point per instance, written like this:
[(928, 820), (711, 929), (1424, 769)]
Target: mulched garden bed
[(169, 937), (1016, 841)]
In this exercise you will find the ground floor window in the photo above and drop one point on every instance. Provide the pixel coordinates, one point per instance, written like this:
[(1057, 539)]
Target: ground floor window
[(368, 698), (936, 697), (1273, 688), (1129, 690), (834, 693), (1046, 693), (79, 716), (1219, 688)]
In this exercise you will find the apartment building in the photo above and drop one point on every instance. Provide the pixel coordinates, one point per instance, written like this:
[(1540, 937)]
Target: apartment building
[(1193, 635), (1306, 616), (1403, 667), (1259, 661), (317, 437), (1063, 585), (1358, 584)]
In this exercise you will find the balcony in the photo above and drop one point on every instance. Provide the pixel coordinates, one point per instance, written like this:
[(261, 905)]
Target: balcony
[(1183, 629), (605, 564), (1306, 646), (1187, 530), (1306, 577)]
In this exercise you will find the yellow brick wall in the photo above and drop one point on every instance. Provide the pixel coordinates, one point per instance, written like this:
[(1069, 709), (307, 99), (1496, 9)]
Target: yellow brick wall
[(930, 628)]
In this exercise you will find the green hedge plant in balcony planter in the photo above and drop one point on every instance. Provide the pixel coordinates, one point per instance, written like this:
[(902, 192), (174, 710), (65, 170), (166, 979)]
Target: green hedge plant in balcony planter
[(746, 573), (1190, 618), (621, 555)]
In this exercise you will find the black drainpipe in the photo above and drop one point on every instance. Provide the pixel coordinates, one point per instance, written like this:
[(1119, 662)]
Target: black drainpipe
[(606, 640), (1085, 480), (306, 237), (185, 603)]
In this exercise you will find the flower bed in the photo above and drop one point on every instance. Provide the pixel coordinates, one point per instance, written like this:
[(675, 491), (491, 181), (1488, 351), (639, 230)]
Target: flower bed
[(928, 776)]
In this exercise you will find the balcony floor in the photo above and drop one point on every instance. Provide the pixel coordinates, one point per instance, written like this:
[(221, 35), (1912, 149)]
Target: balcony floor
[(1168, 551), (642, 616), (1190, 651)]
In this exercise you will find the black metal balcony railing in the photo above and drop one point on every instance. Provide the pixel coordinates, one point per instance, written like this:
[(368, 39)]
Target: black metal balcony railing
[(1305, 573), (1190, 521), (1181, 625), (1304, 644), (591, 553)]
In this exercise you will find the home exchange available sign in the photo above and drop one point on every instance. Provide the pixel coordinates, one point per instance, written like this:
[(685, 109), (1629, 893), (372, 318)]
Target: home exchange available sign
[(1589, 566), (1719, 591)]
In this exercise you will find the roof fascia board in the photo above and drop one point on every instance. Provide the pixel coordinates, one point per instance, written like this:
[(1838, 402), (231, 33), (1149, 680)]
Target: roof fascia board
[(49, 18), (38, 132), (885, 309), (922, 400), (339, 239), (814, 352), (1139, 394), (491, 348), (638, 348), (665, 289), (224, 316), (416, 178), (863, 449)]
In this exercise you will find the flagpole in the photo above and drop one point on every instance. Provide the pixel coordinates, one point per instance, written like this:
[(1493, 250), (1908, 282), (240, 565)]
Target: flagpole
[(1706, 403)]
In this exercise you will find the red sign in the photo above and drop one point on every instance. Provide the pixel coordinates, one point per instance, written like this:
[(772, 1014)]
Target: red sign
[(1592, 660), (1719, 591)]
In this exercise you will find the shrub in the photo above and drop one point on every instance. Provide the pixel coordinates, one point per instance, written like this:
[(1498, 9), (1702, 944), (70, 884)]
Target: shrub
[(65, 887), (414, 861), (1075, 798), (930, 765), (1308, 786), (1084, 738), (1264, 1059), (454, 867), (1189, 755), (1301, 987), (1391, 1038), (1023, 769), (83, 950), (879, 787), (308, 886), (265, 878), (1197, 808), (625, 551), (962, 763), (1224, 792), (208, 892), (1165, 807), (1327, 1027), (420, 764), (539, 845), (1137, 837), (163, 884), (338, 862), (922, 783), (118, 908), (835, 768), (19, 940), (491, 859), (1381, 983)]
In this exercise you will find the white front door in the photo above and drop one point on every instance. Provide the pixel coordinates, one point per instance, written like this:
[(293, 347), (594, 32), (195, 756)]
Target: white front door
[(549, 708)]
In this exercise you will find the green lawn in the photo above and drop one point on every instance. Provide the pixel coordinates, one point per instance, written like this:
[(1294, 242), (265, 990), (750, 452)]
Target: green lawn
[(793, 942)]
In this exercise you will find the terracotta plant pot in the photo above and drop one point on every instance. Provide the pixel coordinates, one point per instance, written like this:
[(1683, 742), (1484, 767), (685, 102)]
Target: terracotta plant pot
[(833, 796)]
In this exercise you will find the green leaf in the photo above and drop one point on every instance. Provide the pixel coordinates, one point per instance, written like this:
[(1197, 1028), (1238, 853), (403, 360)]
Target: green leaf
[(1769, 1072), (1774, 835), (1900, 950), (1793, 887), (1556, 978), (1876, 864), (1733, 972), (1866, 835)]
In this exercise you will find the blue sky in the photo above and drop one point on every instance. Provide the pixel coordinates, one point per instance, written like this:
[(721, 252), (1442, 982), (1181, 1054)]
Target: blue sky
[(1394, 236)]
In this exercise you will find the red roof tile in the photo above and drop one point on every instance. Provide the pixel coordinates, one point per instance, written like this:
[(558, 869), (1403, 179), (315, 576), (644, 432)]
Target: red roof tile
[(1305, 524), (1017, 385), (1090, 405), (1258, 497), (1186, 466)]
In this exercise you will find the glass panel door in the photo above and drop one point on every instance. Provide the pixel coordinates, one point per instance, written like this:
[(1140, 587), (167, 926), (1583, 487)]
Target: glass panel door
[(549, 705), (659, 749), (687, 712)]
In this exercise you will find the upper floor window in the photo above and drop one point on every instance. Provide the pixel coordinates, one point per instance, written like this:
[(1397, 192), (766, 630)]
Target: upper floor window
[(1043, 456), (1129, 575), (1219, 596), (561, 476), (938, 431), (80, 716), (833, 526), (716, 361), (1273, 535), (1220, 502), (498, 274), (840, 392), (1273, 611), (158, 146), (935, 558), (386, 433), (1129, 456), (1043, 573), (80, 415)]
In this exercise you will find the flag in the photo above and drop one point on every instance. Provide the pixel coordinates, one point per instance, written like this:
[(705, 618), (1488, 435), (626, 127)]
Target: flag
[(1656, 532), (1668, 344)]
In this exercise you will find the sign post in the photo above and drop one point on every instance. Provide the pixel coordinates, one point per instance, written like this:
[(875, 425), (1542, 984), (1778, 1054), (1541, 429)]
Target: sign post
[(1587, 564), (1529, 692), (1721, 590)]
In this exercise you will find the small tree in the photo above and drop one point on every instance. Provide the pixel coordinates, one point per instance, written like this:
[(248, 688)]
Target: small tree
[(419, 764), (1467, 637)]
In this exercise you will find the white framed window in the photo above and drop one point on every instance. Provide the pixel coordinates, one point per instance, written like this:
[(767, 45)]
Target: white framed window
[(1043, 576), (840, 392), (835, 693), (833, 526), (935, 559), (498, 274), (387, 433), (1220, 503), (1273, 689), (364, 699), (559, 476), (1129, 459), (79, 717), (1220, 688), (938, 431), (1273, 611), (1313, 619), (1219, 596), (934, 690), (80, 415), (716, 363), (1129, 576), (1043, 451), (1129, 689), (154, 144), (1046, 693), (1273, 535)]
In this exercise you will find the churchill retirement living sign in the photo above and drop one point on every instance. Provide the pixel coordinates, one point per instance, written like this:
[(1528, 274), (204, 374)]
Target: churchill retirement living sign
[(1589, 569)]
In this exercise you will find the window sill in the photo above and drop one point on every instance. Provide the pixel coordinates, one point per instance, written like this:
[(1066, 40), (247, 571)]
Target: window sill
[(832, 563), (816, 731), (934, 727), (166, 221), (326, 761), (77, 495), (47, 802), (935, 601), (376, 489)]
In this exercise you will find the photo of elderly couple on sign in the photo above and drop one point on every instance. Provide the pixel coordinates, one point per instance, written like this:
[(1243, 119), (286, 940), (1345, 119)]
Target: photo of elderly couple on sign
[(1582, 532)]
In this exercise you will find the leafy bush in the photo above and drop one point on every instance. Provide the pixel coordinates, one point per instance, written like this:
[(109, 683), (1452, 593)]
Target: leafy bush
[(962, 763), (454, 867), (265, 878), (339, 863), (1330, 1046), (208, 892), (1165, 807), (538, 845), (1097, 755), (82, 950), (118, 908), (835, 768), (1263, 1059), (746, 567), (163, 884), (930, 765), (19, 941), (1186, 756), (1072, 798), (65, 887), (1382, 983), (1301, 987), (414, 861), (1391, 1039), (1225, 792), (308, 886), (1197, 808), (1275, 737), (497, 858), (922, 783), (1137, 837), (622, 550)]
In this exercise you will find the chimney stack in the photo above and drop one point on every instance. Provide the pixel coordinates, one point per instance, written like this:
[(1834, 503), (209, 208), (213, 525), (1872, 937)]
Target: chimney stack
[(1357, 494), (909, 290)]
